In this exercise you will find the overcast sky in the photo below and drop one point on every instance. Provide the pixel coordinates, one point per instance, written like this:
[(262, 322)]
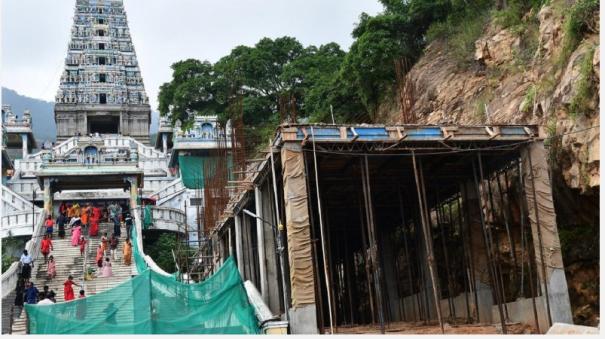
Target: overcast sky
[(35, 34)]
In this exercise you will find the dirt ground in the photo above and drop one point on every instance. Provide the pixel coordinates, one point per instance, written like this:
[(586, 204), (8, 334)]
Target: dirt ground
[(433, 328)]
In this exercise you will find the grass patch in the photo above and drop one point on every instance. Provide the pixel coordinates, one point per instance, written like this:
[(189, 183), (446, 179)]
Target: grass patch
[(480, 105), (528, 101), (578, 21), (580, 103), (460, 33)]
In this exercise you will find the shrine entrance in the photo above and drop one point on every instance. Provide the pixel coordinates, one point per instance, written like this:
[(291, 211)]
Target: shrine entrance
[(105, 124)]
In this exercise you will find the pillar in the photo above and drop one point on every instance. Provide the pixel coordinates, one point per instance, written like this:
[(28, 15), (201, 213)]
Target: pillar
[(165, 143), (260, 235), (239, 250), (547, 247), (24, 144), (48, 197), (134, 192), (303, 317), (230, 242)]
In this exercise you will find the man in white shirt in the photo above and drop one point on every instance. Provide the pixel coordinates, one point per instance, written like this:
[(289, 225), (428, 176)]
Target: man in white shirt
[(26, 265)]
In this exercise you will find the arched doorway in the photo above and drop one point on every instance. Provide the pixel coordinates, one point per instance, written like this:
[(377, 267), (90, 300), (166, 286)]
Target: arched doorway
[(90, 155)]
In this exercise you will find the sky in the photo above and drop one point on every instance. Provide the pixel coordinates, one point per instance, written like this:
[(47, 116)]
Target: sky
[(35, 34)]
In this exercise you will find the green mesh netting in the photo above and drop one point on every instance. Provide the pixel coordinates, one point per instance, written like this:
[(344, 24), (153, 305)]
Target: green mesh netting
[(192, 169), (151, 303)]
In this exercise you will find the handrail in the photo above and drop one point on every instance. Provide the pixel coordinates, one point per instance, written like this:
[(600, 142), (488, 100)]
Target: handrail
[(10, 277), (11, 321), (85, 264), (12, 193), (136, 212)]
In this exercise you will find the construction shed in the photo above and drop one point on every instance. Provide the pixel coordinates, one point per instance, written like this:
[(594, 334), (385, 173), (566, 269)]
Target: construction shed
[(342, 226)]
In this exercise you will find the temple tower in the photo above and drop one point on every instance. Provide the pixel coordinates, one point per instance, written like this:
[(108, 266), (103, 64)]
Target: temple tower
[(101, 89)]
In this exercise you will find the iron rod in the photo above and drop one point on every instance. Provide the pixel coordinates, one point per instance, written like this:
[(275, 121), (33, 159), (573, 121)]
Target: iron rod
[(492, 274), (427, 240)]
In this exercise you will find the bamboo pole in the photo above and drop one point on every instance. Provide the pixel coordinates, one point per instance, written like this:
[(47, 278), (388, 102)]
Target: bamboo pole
[(322, 232), (428, 241), (493, 278)]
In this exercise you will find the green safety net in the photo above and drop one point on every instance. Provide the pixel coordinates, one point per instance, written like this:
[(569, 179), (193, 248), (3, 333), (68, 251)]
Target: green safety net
[(147, 217), (192, 169), (152, 303)]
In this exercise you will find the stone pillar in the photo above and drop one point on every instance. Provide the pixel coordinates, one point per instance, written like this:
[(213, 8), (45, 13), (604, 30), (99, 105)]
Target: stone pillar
[(260, 225), (230, 242), (303, 318), (239, 250), (547, 248), (165, 143), (24, 145), (48, 197), (472, 212), (134, 191)]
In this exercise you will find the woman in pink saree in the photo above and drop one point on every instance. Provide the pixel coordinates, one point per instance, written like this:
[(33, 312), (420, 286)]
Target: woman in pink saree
[(76, 232)]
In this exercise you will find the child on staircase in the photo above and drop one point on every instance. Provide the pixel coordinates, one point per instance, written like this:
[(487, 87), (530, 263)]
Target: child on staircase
[(82, 243), (51, 269), (105, 243), (113, 245), (107, 272)]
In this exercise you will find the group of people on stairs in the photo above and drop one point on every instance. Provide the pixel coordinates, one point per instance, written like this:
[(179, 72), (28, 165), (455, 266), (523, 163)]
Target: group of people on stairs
[(78, 221)]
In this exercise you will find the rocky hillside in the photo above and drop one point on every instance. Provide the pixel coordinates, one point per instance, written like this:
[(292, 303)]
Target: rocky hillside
[(543, 69)]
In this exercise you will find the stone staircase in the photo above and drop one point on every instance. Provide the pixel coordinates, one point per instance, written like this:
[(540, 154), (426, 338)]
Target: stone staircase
[(69, 261)]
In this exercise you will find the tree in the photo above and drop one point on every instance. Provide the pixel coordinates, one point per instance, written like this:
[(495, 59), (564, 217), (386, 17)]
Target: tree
[(160, 250), (192, 91)]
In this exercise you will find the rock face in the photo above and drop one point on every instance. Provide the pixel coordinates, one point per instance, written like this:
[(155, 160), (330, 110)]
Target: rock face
[(517, 78), (523, 76)]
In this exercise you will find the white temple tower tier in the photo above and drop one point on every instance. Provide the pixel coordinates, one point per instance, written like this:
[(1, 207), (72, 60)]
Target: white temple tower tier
[(101, 89)]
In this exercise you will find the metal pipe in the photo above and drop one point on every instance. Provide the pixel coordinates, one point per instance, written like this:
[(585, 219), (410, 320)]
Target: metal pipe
[(452, 309), (471, 257), (493, 235), (427, 240), (280, 246), (373, 243), (505, 216), (322, 232), (495, 289), (405, 247), (465, 258), (366, 263), (539, 232)]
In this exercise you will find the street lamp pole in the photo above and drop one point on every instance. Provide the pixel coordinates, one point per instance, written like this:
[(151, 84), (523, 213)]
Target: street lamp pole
[(279, 251), (33, 211)]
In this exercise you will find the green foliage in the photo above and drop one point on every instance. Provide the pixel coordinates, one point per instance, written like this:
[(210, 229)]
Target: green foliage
[(512, 14), (528, 101), (480, 105), (9, 245), (580, 103), (578, 22), (160, 250), (461, 29)]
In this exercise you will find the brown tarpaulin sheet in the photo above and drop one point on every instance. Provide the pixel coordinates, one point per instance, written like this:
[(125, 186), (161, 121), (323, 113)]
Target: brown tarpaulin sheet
[(546, 210), (298, 228)]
